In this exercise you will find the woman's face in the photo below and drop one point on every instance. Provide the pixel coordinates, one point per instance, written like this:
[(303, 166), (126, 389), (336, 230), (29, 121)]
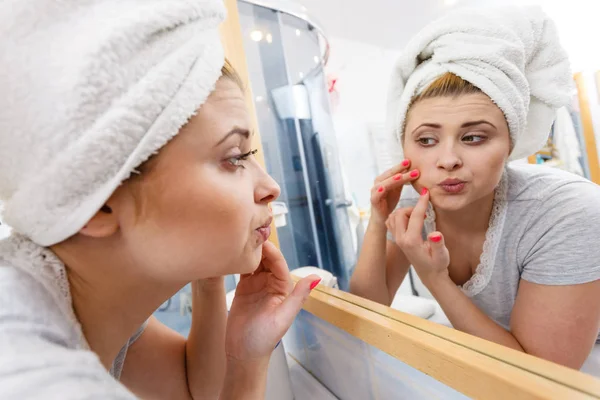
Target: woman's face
[(202, 208), (460, 146)]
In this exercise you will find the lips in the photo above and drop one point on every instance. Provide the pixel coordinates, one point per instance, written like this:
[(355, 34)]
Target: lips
[(264, 231), (452, 186)]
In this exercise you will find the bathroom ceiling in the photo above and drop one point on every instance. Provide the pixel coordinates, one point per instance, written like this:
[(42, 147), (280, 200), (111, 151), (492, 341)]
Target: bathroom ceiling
[(385, 23), (390, 23)]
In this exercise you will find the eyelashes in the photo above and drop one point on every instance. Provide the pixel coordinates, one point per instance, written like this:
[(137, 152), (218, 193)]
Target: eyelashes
[(238, 161)]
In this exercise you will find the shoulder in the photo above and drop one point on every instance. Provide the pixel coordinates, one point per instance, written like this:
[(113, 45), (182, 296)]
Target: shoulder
[(544, 186)]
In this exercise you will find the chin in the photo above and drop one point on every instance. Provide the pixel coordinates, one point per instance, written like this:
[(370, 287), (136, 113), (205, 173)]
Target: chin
[(450, 203), (252, 262)]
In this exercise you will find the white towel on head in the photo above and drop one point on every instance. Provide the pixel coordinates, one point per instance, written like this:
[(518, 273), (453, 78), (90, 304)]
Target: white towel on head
[(512, 54), (90, 90)]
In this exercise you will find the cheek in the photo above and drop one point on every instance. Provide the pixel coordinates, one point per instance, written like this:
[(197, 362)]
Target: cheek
[(488, 166), (424, 161), (198, 218), (209, 206), (202, 206)]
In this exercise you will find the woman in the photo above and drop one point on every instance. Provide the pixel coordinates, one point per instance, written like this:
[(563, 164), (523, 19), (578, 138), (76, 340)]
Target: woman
[(93, 92), (509, 251)]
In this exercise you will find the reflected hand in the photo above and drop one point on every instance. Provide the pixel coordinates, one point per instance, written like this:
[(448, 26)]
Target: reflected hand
[(264, 307), (430, 258), (385, 194)]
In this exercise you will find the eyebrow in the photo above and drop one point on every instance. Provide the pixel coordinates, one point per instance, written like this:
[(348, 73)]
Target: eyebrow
[(465, 125), (245, 133)]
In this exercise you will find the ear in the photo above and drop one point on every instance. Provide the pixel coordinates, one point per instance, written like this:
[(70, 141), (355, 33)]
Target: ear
[(103, 224)]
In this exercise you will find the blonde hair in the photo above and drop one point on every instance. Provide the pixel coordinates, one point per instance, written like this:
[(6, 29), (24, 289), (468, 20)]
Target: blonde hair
[(230, 73), (447, 85)]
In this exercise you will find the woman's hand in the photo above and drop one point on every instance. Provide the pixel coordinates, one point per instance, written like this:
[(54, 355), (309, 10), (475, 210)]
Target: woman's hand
[(264, 308), (385, 194), (430, 258)]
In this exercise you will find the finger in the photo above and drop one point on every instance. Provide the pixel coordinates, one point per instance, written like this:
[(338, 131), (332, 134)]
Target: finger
[(402, 167), (399, 222), (292, 305), (417, 219), (274, 262), (381, 190), (378, 193), (399, 180), (437, 244)]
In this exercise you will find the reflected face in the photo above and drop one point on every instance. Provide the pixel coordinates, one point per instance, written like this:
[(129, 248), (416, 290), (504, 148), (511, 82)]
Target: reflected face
[(460, 145), (202, 208)]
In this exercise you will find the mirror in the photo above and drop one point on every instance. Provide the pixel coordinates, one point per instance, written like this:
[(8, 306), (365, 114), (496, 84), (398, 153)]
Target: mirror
[(321, 121)]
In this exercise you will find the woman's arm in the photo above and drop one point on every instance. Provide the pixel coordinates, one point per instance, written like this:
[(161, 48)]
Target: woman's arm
[(245, 380), (157, 365), (557, 323), (163, 364), (381, 266), (205, 350)]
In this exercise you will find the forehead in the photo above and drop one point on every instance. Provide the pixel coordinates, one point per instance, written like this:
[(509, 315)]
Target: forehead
[(226, 98), (224, 109), (465, 106)]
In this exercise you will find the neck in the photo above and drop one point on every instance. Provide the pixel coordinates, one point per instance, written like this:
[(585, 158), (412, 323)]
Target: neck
[(110, 301), (472, 220)]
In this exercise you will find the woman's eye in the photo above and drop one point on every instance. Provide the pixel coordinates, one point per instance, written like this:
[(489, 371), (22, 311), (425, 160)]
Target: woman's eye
[(426, 141), (238, 161), (473, 138)]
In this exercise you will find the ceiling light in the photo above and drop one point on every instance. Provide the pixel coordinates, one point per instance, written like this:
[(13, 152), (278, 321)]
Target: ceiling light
[(269, 38), (256, 35)]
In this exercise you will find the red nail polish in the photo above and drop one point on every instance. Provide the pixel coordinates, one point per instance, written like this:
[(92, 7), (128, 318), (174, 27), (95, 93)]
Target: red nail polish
[(380, 190), (414, 174), (436, 238), (424, 192), (405, 163), (398, 177), (314, 284)]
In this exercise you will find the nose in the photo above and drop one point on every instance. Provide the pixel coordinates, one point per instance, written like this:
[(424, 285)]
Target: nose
[(448, 158), (267, 190)]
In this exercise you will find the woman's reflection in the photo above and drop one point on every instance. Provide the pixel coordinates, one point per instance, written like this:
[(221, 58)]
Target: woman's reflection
[(511, 252)]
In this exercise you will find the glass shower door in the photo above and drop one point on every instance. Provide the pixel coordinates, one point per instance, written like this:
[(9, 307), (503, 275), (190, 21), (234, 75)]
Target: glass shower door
[(288, 83)]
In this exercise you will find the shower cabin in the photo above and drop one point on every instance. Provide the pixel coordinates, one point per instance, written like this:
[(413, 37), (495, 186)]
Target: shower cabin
[(286, 53)]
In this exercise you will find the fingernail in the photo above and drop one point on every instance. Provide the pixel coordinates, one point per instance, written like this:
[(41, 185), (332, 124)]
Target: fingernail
[(314, 284), (414, 174), (405, 163), (424, 192), (398, 177), (380, 190), (436, 238)]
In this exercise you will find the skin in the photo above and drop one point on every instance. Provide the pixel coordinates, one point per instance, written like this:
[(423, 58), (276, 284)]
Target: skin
[(192, 216), (465, 138)]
